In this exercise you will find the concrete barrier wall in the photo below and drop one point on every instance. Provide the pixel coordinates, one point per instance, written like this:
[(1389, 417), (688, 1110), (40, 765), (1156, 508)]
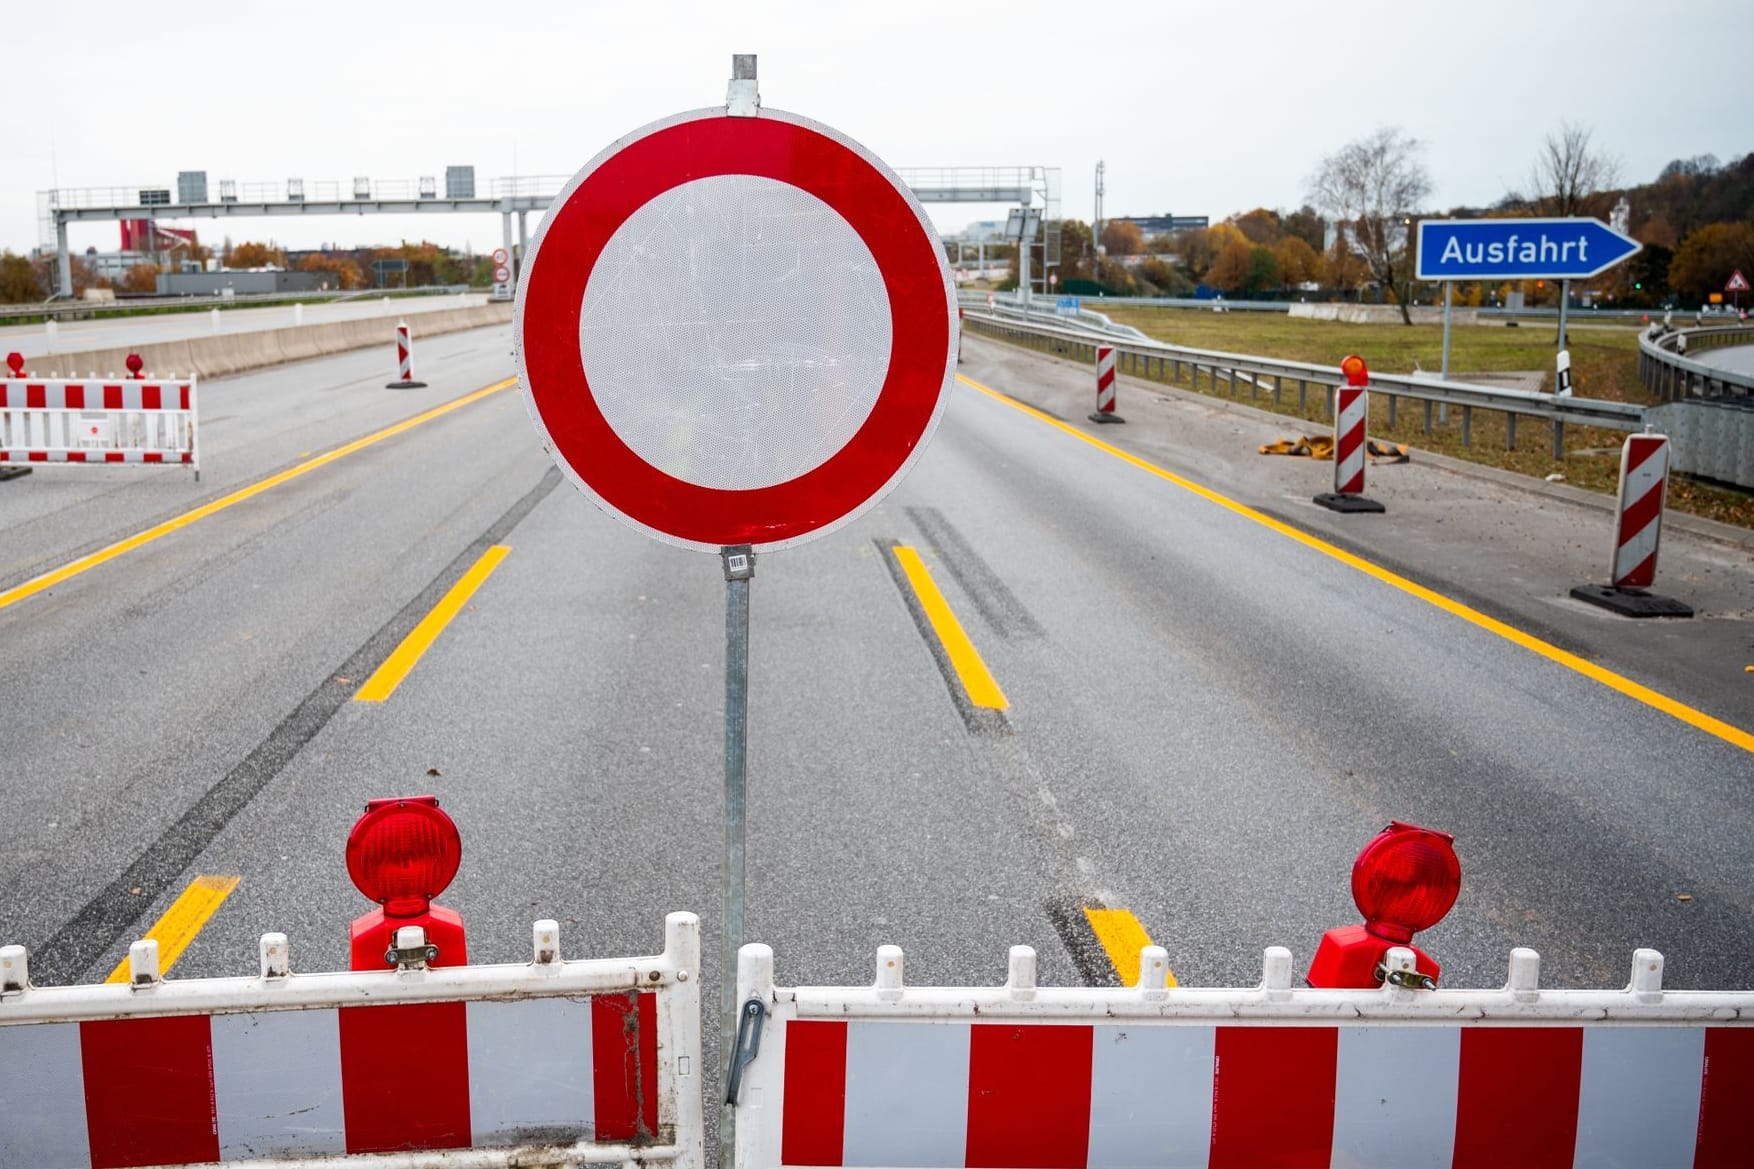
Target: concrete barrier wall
[(229, 353), (1381, 314)]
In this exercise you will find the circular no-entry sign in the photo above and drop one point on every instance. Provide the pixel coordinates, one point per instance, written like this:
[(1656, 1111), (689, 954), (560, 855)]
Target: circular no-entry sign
[(735, 330)]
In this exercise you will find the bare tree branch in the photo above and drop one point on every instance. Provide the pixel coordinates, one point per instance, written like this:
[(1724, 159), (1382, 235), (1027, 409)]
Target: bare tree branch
[(1373, 188), (1569, 173)]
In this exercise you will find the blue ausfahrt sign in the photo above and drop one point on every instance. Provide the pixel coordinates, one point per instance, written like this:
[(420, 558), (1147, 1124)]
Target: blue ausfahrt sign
[(1519, 249)]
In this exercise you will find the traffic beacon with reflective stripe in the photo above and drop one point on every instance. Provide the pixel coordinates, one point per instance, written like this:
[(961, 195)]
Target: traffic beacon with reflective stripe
[(402, 853), (1403, 881)]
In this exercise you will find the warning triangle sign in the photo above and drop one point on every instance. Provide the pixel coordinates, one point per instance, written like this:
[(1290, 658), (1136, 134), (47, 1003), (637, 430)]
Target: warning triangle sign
[(1738, 282)]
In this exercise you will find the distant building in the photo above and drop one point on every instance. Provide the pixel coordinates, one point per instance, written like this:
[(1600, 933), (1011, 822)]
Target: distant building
[(1165, 224)]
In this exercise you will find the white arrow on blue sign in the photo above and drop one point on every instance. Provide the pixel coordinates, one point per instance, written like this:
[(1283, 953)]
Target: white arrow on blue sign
[(1519, 249)]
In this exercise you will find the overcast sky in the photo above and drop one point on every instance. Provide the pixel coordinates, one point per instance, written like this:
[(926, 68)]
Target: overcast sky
[(1202, 109)]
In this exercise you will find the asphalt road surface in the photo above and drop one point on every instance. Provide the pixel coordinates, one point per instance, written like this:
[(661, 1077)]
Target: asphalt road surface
[(1211, 700)]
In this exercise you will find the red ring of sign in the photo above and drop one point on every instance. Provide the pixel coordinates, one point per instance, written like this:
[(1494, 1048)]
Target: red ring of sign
[(786, 152)]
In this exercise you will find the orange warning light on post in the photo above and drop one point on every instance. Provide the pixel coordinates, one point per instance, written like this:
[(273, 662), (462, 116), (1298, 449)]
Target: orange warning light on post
[(1354, 369)]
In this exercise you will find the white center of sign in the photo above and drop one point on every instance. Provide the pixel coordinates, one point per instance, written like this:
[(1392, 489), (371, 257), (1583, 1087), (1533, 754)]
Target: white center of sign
[(735, 332)]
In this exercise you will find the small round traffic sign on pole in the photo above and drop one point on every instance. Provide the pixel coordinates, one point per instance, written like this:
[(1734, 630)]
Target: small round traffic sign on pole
[(502, 275), (736, 330), (500, 256)]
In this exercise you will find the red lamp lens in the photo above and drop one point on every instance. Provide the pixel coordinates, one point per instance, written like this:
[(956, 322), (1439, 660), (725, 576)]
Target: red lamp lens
[(1354, 369), (1405, 880), (402, 853)]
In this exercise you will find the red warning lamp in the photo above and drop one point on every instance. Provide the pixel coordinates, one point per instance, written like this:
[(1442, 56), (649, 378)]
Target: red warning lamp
[(402, 853), (134, 365), (1403, 881), (1354, 369), (15, 363)]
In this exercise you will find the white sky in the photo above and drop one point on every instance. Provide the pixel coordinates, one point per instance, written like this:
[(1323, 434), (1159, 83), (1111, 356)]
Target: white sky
[(1209, 108)]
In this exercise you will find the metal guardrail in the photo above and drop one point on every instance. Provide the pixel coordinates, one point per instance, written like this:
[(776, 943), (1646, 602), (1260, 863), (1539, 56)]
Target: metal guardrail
[(1159, 361), (1673, 377)]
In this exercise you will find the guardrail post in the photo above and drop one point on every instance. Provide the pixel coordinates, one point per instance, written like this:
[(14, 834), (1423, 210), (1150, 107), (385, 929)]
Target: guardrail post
[(1467, 426), (1510, 430), (1558, 441), (1278, 386), (1426, 427), (1302, 396), (1394, 401)]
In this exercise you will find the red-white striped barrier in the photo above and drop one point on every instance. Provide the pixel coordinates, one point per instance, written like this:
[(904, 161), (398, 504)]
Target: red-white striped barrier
[(554, 1062), (1020, 1075), (1638, 529), (1351, 414), (1638, 522), (128, 420), (404, 360), (1105, 386)]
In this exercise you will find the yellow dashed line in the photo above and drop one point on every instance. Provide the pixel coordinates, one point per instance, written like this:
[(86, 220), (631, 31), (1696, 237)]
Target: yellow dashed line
[(104, 555), (1733, 735), (977, 680), (1122, 938), (383, 683), (182, 921)]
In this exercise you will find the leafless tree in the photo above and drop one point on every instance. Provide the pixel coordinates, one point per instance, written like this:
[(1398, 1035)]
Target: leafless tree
[(1372, 189), (1570, 174)]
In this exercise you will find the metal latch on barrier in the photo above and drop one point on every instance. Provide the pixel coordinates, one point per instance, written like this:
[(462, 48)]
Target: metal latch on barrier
[(1409, 979), (749, 1022), (411, 950)]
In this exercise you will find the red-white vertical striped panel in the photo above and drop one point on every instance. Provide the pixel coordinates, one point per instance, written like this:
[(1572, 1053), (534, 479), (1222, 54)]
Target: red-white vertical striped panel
[(1351, 409), (870, 1093), (1105, 379), (1644, 474), (402, 1077), (404, 352)]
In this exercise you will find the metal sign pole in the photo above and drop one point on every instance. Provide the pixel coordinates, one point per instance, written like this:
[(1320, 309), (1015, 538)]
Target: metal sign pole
[(1564, 301), (739, 565), (1449, 294)]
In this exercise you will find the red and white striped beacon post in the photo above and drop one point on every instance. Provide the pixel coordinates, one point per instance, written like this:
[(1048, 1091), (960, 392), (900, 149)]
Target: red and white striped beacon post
[(1351, 411), (1638, 528), (1105, 386), (404, 360)]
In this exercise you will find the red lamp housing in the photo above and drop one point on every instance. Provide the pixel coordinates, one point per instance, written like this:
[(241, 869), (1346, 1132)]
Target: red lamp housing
[(134, 365), (402, 853), (15, 363), (1355, 370), (1403, 881)]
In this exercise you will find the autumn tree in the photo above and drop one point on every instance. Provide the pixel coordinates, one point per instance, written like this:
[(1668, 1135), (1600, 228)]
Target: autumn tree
[(1298, 262), (141, 279), (1122, 237), (18, 280), (1306, 224), (1704, 261), (1200, 249), (250, 254), (1373, 187), (1259, 226), (1570, 174)]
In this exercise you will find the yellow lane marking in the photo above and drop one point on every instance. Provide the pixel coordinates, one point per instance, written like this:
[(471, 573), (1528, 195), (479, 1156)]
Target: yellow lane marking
[(977, 680), (1122, 938), (182, 921), (1733, 735), (104, 555), (395, 668)]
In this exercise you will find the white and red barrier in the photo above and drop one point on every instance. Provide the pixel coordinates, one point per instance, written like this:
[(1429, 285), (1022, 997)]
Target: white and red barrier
[(141, 421), (1173, 1077), (1638, 520), (404, 360), (1638, 529), (1105, 386), (1351, 416), (547, 1062)]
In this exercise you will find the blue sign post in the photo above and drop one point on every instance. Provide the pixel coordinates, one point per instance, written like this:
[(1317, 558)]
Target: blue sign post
[(1517, 249)]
